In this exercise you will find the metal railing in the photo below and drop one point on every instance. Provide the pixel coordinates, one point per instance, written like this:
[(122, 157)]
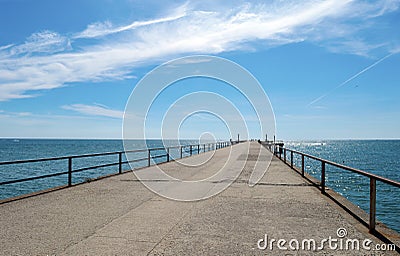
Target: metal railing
[(184, 151), (279, 151)]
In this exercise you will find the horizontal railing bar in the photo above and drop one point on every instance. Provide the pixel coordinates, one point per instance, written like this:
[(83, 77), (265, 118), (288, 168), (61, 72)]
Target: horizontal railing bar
[(158, 156), (34, 160), (67, 157), (90, 167), (155, 149), (64, 173), (136, 160), (92, 155), (364, 173), (33, 178), (94, 167)]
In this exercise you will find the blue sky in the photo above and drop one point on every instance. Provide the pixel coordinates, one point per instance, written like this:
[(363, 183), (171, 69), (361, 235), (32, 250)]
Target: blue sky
[(330, 68)]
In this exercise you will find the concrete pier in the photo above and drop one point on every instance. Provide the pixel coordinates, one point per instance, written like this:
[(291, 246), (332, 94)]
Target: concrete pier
[(120, 216)]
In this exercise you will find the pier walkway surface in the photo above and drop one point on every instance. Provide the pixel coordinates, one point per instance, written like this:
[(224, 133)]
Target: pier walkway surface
[(120, 216)]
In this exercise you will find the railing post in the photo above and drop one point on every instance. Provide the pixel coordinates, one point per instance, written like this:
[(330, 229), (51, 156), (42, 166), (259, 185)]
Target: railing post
[(198, 148), (323, 177), (291, 159), (148, 158), (372, 204), (302, 165), (120, 162), (181, 152), (284, 155), (69, 171), (190, 149), (167, 154)]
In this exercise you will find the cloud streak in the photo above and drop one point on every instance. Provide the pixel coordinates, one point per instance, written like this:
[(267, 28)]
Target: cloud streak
[(350, 79), (48, 60), (106, 28), (42, 42), (95, 110)]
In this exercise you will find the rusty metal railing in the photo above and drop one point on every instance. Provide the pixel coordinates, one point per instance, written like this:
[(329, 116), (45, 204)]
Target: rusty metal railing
[(184, 151), (373, 178)]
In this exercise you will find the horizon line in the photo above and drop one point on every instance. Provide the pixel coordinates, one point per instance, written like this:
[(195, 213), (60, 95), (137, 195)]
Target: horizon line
[(262, 139)]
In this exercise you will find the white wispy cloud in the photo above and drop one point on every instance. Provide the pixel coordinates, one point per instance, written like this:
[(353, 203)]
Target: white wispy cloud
[(106, 28), (6, 47), (50, 125), (48, 60), (41, 42), (95, 110)]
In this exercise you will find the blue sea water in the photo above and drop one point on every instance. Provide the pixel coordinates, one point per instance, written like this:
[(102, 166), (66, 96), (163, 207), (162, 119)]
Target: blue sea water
[(380, 157), (376, 156), (23, 149)]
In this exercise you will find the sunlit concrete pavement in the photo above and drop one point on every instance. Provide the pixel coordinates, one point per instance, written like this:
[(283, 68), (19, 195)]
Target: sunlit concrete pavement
[(120, 216)]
